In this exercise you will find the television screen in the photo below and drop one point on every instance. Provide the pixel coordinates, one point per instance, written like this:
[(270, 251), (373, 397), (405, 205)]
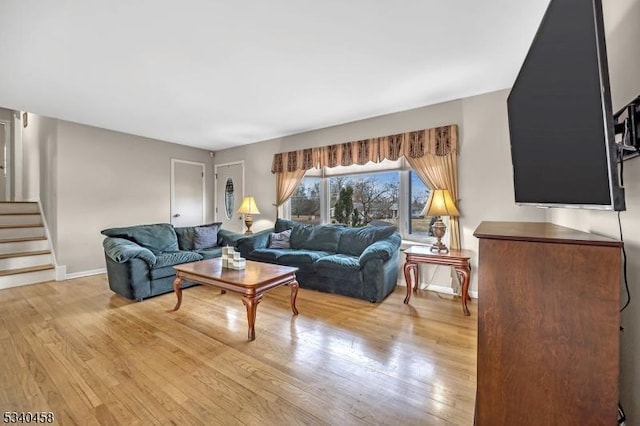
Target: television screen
[(560, 120)]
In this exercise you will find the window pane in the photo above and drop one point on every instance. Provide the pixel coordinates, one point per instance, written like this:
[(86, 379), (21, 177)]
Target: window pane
[(305, 201), (420, 226), (363, 198)]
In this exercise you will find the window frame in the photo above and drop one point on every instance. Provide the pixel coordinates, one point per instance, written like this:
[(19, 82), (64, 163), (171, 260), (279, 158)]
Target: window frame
[(404, 196)]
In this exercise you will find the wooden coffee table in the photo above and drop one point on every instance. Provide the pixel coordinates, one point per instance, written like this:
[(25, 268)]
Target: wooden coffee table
[(251, 282)]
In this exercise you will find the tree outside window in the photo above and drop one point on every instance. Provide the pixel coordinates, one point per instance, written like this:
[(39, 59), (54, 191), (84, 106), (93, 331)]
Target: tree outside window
[(357, 200), (420, 225), (305, 201)]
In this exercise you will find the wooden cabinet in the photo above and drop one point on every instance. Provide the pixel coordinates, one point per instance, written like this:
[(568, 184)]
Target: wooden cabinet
[(548, 325)]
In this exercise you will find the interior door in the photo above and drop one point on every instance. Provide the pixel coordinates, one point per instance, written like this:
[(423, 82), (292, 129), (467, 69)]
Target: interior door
[(229, 192), (187, 193)]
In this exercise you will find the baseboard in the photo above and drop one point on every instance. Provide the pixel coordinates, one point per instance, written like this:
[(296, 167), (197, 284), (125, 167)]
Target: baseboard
[(86, 273), (61, 272), (439, 289)]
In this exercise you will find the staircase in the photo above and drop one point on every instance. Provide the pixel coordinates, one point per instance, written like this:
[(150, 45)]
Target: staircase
[(25, 252)]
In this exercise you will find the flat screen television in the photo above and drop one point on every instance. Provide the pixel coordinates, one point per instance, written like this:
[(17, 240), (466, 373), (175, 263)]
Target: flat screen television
[(561, 125)]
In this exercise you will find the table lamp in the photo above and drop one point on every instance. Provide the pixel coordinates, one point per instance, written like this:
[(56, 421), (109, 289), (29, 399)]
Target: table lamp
[(248, 208), (440, 204)]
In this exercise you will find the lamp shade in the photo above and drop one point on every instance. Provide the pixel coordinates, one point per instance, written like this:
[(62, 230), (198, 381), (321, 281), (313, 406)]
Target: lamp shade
[(248, 206), (440, 203)]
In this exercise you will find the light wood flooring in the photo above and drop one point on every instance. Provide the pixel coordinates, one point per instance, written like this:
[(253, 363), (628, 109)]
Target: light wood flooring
[(91, 357)]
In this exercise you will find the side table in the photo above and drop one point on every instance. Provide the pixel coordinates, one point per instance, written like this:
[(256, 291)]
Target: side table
[(458, 259)]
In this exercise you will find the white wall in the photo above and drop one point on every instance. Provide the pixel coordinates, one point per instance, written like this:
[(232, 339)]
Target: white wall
[(89, 179), (39, 144), (485, 184), (485, 175), (623, 38)]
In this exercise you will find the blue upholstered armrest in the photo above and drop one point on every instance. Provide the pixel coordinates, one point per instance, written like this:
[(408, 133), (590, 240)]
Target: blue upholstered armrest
[(383, 249), (120, 250), (229, 238)]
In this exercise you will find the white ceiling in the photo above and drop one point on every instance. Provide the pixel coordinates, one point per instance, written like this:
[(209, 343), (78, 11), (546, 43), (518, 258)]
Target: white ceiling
[(216, 74)]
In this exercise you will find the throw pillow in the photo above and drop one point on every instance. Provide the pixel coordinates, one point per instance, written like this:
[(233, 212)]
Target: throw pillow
[(280, 239), (186, 235), (205, 237)]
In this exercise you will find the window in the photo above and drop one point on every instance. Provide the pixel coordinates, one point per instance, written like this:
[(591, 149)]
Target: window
[(419, 225), (305, 201), (356, 195), (360, 199)]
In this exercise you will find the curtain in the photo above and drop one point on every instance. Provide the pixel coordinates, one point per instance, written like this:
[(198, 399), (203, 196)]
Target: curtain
[(440, 141), (290, 168), (286, 184), (433, 155)]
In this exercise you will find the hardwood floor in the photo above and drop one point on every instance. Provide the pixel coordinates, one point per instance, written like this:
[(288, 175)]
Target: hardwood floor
[(91, 357)]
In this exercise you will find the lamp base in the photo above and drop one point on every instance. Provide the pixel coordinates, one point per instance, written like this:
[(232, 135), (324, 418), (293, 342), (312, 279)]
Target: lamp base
[(439, 247), (439, 229), (248, 221)]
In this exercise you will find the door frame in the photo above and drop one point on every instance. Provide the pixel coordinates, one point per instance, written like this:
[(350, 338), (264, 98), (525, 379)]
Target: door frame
[(172, 203), (7, 153), (215, 184)]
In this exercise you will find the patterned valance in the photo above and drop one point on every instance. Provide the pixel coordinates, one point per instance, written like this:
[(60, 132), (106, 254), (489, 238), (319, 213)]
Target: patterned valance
[(439, 141)]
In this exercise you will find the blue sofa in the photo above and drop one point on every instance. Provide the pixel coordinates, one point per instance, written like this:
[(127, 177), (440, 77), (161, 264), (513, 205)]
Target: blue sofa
[(140, 258), (355, 262)]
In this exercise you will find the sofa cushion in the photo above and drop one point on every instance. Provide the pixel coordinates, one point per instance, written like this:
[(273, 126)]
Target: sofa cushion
[(318, 237), (205, 237), (339, 262), (210, 253), (165, 271), (280, 239), (340, 268), (186, 235), (158, 238), (267, 254), (323, 237), (283, 224), (176, 258), (299, 257), (299, 234), (354, 241)]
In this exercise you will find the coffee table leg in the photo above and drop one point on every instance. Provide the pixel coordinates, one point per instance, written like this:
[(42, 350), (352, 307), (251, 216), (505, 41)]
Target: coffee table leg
[(294, 293), (251, 302), (177, 288)]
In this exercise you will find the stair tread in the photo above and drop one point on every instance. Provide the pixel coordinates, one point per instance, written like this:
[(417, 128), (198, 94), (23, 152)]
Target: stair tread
[(24, 253), (21, 239), (26, 270), (19, 214), (22, 225)]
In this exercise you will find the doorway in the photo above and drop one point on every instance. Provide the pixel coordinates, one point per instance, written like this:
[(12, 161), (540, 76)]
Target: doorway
[(5, 138), (229, 180), (187, 193)]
